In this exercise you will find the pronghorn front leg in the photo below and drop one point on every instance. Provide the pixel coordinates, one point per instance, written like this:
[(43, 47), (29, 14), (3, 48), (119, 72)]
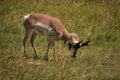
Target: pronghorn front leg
[(55, 55), (51, 43), (46, 55)]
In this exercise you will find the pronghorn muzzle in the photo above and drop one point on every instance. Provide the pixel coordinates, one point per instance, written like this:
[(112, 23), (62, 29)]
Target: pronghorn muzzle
[(74, 48)]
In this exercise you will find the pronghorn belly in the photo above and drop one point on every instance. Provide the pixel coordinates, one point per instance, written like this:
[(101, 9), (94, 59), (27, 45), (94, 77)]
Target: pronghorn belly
[(44, 29)]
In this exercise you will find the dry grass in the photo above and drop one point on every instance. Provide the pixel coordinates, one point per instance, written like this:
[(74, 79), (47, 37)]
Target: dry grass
[(97, 20)]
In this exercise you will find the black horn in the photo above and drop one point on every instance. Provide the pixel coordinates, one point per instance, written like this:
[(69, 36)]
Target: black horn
[(81, 44), (85, 43)]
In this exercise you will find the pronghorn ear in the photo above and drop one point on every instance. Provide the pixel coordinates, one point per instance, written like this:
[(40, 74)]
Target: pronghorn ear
[(70, 46), (81, 44), (73, 35)]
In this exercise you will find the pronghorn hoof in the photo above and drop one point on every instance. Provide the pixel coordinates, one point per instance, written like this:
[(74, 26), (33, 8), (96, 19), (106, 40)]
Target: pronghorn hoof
[(73, 56), (35, 57), (46, 58), (25, 56)]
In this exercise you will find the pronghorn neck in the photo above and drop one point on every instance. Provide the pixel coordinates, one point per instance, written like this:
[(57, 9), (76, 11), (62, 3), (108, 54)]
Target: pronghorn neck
[(65, 36), (65, 39), (73, 39)]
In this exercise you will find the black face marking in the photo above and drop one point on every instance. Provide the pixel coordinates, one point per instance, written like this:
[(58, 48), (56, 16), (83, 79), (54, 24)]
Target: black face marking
[(77, 45), (70, 46), (74, 48)]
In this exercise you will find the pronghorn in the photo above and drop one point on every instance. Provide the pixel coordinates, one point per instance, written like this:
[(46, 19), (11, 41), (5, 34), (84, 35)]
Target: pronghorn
[(54, 29)]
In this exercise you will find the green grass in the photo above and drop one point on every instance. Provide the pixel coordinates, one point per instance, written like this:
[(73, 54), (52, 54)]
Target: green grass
[(94, 19)]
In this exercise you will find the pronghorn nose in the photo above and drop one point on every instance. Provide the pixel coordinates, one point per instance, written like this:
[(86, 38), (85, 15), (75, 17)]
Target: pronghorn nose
[(74, 53)]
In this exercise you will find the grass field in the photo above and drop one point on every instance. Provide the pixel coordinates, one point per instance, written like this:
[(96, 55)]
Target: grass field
[(98, 20)]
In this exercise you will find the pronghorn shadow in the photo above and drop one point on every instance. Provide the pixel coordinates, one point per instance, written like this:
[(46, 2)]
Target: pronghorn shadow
[(31, 57)]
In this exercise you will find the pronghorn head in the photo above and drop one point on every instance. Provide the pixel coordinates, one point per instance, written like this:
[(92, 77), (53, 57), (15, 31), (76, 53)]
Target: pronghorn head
[(74, 44)]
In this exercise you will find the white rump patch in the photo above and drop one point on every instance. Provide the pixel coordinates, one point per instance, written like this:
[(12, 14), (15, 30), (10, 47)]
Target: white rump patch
[(43, 28), (26, 17)]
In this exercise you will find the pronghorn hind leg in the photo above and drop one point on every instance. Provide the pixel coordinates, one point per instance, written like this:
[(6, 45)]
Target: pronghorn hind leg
[(24, 43), (33, 36), (27, 35)]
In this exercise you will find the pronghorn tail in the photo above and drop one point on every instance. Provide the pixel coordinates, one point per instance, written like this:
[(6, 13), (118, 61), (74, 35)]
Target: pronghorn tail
[(26, 17)]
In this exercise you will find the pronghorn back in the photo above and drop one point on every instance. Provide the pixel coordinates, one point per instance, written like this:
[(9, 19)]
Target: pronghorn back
[(46, 25)]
